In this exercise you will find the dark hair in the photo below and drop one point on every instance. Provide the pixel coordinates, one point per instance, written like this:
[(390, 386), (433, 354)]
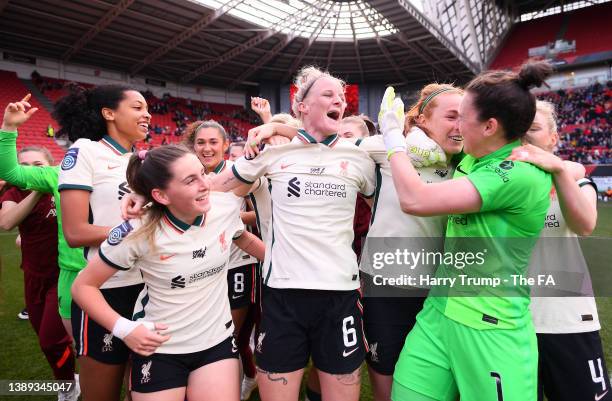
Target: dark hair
[(148, 170), (79, 113), (505, 96)]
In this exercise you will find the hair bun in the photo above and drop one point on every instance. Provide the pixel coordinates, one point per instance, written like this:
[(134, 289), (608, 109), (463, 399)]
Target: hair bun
[(534, 74)]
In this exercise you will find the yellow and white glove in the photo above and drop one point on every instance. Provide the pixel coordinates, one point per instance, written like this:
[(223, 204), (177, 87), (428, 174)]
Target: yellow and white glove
[(422, 150), (391, 122)]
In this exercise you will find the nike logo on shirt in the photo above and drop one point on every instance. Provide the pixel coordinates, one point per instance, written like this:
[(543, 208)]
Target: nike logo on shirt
[(284, 166), (166, 257), (599, 397)]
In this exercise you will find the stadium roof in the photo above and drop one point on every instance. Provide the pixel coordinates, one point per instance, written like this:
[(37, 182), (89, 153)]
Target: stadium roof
[(538, 6), (237, 43)]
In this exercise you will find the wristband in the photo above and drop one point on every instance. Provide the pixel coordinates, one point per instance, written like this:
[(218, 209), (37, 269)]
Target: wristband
[(394, 151), (123, 327)]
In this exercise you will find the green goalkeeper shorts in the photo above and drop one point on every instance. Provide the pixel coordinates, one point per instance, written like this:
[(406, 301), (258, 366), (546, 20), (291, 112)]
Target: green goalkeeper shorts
[(64, 297), (443, 359)]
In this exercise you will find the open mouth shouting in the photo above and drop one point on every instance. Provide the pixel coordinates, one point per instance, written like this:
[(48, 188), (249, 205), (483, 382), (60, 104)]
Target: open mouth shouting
[(334, 115)]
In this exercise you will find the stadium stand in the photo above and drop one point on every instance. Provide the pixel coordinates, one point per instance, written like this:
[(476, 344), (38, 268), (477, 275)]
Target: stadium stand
[(525, 36), (585, 122), (586, 26), (170, 114), (34, 132), (584, 113)]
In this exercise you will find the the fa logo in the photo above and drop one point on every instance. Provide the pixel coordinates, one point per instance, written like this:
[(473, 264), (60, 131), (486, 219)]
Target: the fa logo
[(344, 168), (260, 341), (108, 342), (145, 371), (373, 352), (222, 242)]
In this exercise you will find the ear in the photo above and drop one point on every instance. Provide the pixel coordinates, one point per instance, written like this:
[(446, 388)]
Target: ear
[(491, 127), (554, 139), (108, 114), (225, 146), (421, 120), (302, 107), (160, 197)]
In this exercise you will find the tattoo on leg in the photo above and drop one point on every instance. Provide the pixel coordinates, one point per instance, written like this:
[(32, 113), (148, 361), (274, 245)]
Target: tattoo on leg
[(350, 379), (282, 379)]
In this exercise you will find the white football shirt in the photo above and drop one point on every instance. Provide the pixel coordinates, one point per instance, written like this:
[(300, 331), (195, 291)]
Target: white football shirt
[(99, 167), (313, 187), (561, 315), (185, 275)]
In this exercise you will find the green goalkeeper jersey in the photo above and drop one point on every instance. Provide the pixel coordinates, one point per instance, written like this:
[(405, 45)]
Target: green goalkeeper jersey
[(515, 199), (42, 179)]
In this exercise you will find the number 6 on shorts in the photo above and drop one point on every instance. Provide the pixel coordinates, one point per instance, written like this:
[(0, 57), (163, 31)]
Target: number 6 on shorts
[(349, 334)]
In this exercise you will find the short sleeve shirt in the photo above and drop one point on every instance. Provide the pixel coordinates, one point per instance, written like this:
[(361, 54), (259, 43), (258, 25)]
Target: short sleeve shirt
[(185, 275), (99, 167), (260, 198), (388, 219), (313, 188), (514, 204), (562, 314), (238, 257)]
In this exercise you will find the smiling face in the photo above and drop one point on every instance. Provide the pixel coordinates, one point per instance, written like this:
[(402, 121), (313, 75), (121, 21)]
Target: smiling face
[(323, 107), (540, 133), (470, 126), (187, 192), (441, 125), (210, 146), (130, 120)]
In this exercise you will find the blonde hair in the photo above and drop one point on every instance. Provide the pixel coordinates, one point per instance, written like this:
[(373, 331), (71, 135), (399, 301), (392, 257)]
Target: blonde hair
[(285, 118), (361, 125), (427, 102), (548, 109), (44, 151), (304, 81)]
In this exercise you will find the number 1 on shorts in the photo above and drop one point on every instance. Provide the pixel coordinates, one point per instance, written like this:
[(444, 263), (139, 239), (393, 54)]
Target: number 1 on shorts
[(498, 382)]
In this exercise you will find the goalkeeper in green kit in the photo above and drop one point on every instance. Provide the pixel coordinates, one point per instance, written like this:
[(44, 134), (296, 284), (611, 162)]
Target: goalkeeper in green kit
[(476, 347), (42, 179)]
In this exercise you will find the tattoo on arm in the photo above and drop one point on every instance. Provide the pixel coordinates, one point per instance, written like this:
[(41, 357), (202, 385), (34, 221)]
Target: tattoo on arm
[(274, 379), (229, 180), (350, 379)]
